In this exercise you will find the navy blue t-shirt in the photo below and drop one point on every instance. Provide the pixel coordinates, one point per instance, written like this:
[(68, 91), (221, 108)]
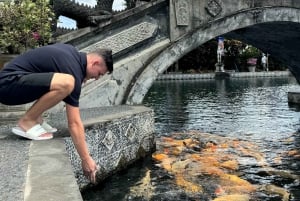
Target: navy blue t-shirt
[(60, 58)]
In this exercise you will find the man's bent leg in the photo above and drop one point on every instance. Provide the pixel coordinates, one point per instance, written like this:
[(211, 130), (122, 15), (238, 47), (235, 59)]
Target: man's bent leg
[(61, 86)]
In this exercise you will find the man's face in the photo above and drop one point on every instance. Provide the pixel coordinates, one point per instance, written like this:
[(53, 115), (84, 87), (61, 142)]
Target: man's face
[(98, 69)]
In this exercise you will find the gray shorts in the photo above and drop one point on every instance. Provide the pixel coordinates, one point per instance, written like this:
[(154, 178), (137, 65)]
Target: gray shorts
[(21, 89)]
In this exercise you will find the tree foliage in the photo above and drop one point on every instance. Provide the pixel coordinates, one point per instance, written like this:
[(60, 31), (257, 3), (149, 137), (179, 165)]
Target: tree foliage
[(251, 52), (24, 24)]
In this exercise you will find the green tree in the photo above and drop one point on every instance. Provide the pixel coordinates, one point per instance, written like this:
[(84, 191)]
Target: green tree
[(24, 24)]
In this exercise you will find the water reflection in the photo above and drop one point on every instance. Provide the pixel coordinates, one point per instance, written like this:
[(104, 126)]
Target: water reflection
[(224, 106)]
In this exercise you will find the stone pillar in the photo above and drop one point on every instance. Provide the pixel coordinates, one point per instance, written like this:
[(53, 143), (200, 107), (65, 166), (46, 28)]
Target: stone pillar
[(220, 72), (219, 67)]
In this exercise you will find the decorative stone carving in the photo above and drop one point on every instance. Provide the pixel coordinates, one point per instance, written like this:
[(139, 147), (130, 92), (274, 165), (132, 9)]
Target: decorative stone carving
[(213, 8), (109, 139), (126, 38), (182, 12), (130, 132)]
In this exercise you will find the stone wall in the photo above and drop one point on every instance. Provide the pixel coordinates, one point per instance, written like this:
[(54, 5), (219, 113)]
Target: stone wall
[(116, 137)]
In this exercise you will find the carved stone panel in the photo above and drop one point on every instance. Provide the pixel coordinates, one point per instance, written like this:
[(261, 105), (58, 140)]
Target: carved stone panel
[(109, 140), (213, 8), (182, 12), (126, 38), (116, 137), (130, 132)]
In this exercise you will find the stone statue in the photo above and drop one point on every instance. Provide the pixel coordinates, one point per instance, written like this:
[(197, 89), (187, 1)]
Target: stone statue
[(220, 53), (220, 50), (83, 14)]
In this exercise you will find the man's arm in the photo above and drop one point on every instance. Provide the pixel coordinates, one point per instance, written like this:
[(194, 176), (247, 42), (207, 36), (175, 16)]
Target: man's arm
[(76, 129)]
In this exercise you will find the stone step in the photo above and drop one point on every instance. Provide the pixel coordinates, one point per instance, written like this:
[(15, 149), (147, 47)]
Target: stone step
[(49, 174), (7, 118), (4, 108), (10, 114)]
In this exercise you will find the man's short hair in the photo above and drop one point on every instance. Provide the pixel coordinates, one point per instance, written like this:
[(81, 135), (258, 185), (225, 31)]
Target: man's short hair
[(106, 54)]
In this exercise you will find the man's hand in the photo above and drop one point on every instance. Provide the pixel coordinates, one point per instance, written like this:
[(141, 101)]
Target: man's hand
[(76, 129), (90, 169)]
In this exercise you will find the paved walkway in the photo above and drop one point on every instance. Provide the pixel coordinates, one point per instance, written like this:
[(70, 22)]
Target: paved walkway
[(14, 157), (35, 170)]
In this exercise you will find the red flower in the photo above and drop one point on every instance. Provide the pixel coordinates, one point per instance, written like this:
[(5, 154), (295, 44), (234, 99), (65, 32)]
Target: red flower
[(36, 35)]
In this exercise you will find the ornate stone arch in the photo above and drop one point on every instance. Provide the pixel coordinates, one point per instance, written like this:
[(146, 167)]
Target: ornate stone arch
[(238, 20)]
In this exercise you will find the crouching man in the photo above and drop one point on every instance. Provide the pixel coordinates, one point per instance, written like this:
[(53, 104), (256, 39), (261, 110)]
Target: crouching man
[(48, 75)]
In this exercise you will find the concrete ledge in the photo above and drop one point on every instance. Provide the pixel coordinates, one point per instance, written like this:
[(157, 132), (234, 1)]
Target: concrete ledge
[(36, 170), (49, 174), (185, 76), (261, 74), (232, 75)]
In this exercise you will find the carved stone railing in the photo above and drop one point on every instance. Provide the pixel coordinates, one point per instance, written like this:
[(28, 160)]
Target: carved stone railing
[(126, 38)]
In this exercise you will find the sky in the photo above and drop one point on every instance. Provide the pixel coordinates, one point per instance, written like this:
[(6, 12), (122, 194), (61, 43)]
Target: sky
[(69, 23)]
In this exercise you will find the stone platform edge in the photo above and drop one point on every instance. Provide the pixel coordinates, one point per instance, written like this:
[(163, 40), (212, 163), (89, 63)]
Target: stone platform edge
[(179, 76), (49, 173)]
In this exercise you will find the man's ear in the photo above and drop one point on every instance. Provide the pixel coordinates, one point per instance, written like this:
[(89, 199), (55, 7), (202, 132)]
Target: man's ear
[(96, 62)]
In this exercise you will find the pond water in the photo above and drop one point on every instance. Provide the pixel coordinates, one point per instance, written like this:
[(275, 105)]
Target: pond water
[(254, 110)]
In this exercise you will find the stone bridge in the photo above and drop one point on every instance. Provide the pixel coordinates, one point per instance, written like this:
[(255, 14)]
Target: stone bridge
[(148, 39)]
